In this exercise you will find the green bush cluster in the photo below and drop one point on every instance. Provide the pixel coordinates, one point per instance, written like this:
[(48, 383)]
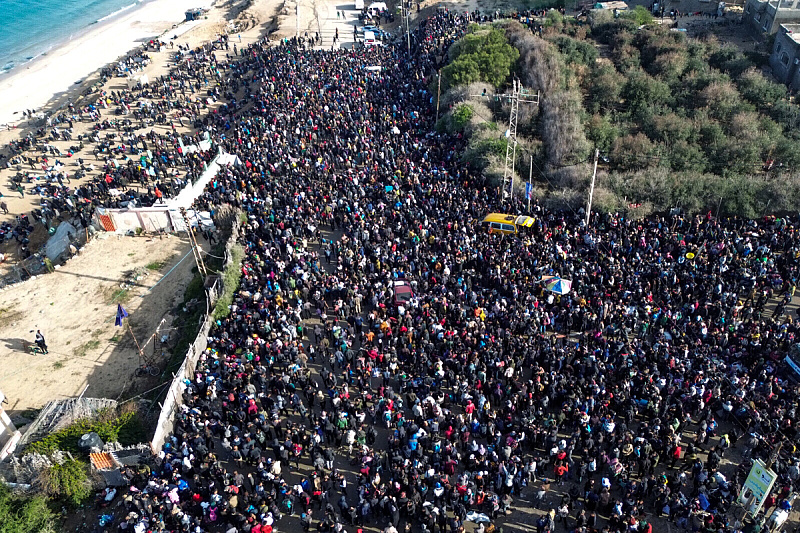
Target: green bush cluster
[(126, 429), (481, 55), (68, 481), (230, 282), (22, 514)]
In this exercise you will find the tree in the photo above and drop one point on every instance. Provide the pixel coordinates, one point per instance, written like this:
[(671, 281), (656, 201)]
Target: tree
[(575, 51), (606, 88), (721, 99), (68, 480), (561, 128), (19, 514), (759, 90), (633, 152), (461, 116), (640, 15), (642, 90), (483, 55), (601, 132)]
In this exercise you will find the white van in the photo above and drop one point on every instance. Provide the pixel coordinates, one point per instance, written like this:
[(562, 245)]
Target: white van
[(375, 8), (369, 39)]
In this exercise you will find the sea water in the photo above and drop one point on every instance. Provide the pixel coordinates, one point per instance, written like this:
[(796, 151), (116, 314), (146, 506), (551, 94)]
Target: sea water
[(31, 28)]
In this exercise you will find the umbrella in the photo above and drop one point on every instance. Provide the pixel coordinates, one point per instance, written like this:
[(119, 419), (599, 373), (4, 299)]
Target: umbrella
[(558, 285)]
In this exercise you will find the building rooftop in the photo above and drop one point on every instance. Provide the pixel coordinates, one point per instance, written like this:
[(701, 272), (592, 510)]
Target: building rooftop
[(792, 31)]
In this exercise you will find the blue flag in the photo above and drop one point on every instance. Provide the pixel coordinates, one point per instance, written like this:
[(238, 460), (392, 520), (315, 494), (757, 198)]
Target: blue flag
[(121, 314), (528, 190)]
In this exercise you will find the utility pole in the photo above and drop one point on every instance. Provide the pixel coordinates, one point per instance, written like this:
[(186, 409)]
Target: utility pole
[(407, 8), (518, 94), (297, 19), (530, 181), (438, 92), (196, 251), (591, 188)]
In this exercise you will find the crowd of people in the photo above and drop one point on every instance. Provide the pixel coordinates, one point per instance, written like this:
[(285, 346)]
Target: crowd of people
[(116, 156), (483, 400)]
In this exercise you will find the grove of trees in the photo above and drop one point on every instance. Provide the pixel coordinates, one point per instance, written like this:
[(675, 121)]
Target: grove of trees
[(679, 122)]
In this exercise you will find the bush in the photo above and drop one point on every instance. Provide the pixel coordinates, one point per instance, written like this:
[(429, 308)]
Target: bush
[(126, 429), (24, 514), (575, 51), (483, 55), (606, 88), (461, 116), (230, 282), (639, 15), (68, 481)]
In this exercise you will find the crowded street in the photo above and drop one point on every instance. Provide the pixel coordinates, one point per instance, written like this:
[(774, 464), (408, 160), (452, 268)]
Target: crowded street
[(481, 399)]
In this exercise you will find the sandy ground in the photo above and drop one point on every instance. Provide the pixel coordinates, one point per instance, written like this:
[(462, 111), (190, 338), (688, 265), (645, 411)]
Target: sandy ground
[(246, 26), (75, 306), (34, 84)]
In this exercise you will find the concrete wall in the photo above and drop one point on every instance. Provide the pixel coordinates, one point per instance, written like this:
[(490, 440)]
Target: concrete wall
[(9, 436), (171, 405)]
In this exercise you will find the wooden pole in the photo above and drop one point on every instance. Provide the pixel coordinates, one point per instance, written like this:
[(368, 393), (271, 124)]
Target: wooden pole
[(438, 92), (141, 353)]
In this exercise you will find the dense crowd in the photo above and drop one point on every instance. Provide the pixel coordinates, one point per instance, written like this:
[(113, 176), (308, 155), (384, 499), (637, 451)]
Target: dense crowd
[(122, 160), (324, 403)]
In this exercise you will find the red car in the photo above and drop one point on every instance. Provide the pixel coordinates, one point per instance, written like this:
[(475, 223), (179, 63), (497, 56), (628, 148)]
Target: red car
[(402, 293)]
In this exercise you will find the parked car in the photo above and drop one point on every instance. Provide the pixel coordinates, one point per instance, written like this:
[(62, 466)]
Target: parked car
[(402, 293)]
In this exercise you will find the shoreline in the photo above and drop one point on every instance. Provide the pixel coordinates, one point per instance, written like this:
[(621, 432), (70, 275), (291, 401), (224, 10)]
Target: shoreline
[(62, 70)]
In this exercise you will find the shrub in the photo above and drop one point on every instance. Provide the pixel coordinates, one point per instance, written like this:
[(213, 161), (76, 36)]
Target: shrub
[(639, 15), (68, 481), (642, 90), (230, 282), (461, 116), (575, 51), (633, 152), (606, 88), (601, 132), (19, 514), (126, 429)]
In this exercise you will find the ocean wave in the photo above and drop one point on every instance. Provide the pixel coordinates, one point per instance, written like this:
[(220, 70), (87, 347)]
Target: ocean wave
[(115, 13)]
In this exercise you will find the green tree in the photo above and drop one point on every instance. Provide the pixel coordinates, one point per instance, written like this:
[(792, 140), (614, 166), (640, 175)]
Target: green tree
[(19, 514), (575, 51), (760, 91), (639, 15), (601, 132), (606, 88), (642, 90), (461, 116), (483, 55), (68, 481)]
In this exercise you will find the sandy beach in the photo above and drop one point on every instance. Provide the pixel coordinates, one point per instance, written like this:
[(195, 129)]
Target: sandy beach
[(33, 85)]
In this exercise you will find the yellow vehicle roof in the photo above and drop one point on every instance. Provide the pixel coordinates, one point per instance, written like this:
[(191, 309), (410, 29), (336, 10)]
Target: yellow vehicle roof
[(520, 220)]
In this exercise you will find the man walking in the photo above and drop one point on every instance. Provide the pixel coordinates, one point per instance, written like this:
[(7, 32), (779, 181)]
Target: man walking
[(40, 341)]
